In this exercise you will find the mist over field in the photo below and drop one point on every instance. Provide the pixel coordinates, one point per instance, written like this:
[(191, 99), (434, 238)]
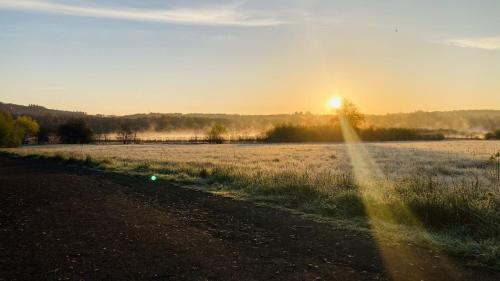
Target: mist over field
[(346, 140), (177, 126)]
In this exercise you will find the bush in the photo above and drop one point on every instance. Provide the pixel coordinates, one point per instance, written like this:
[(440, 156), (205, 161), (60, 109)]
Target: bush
[(75, 131), (43, 135), (216, 134), (398, 134), (28, 126), (495, 135), (14, 132), (292, 133)]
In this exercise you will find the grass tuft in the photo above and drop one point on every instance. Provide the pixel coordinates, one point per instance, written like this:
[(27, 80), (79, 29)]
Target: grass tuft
[(453, 194)]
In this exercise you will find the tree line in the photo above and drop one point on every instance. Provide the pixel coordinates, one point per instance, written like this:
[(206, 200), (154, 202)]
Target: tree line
[(334, 133), (19, 130), (304, 128), (347, 116), (459, 123)]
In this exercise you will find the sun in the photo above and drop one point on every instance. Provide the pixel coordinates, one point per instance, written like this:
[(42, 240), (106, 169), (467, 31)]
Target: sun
[(335, 102)]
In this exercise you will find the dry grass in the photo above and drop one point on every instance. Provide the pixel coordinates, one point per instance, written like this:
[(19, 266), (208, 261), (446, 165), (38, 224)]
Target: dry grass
[(449, 186)]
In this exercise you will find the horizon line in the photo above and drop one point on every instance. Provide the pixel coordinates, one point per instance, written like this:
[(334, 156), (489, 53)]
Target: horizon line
[(245, 114)]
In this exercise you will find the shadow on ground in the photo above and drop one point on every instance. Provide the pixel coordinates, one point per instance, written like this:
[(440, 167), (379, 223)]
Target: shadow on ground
[(60, 222)]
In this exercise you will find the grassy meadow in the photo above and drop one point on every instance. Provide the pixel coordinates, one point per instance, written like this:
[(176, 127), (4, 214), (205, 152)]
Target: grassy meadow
[(443, 193)]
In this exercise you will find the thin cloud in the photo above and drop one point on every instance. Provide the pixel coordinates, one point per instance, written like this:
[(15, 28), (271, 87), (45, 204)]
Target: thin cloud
[(485, 43), (225, 16)]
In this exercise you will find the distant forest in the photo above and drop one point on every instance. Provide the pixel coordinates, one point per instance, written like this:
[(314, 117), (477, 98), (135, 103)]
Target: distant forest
[(453, 122)]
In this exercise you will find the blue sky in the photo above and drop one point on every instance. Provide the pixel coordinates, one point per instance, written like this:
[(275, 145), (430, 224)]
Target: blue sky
[(257, 57)]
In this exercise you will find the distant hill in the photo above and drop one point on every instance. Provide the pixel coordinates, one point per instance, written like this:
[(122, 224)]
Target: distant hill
[(36, 110), (459, 121)]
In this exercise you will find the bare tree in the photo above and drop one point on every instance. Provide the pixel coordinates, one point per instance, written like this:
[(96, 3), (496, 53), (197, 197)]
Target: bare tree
[(125, 134)]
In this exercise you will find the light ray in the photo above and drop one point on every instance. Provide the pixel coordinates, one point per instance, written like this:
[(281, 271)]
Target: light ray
[(382, 205)]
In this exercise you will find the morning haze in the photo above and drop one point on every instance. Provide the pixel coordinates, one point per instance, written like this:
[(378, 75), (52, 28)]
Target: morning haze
[(250, 140)]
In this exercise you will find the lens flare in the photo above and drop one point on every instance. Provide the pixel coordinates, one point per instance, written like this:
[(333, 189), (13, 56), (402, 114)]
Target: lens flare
[(153, 178)]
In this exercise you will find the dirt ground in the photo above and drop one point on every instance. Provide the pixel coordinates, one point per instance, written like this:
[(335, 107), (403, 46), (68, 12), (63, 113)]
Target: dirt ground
[(66, 223)]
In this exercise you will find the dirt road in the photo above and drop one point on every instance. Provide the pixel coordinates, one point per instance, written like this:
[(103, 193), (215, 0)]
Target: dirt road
[(65, 223)]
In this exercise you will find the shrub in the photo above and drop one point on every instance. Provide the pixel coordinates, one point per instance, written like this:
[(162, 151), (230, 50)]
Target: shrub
[(293, 133), (75, 131), (216, 133), (495, 135), (398, 134), (495, 164), (43, 135), (28, 126), (14, 132)]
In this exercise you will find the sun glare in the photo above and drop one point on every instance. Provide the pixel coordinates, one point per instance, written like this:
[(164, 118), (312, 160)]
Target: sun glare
[(335, 103)]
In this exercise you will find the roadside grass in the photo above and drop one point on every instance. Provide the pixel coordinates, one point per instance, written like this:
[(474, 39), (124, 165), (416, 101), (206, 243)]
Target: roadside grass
[(460, 216)]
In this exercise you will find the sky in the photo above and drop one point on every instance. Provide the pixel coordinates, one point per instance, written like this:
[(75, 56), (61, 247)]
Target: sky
[(250, 57)]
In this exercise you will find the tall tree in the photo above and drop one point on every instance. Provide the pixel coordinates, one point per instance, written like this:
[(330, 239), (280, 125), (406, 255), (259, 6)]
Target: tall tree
[(351, 113)]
